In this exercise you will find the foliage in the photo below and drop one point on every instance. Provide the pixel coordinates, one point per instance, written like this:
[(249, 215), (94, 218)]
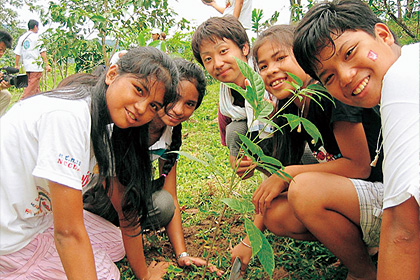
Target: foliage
[(262, 111), (257, 15)]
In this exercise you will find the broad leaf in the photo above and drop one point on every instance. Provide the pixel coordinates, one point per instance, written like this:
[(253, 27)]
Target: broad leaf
[(311, 129), (242, 206), (266, 256), (296, 78), (251, 146), (254, 235), (293, 120)]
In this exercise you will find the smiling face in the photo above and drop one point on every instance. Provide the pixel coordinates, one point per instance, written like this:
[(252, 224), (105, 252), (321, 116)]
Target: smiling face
[(273, 62), (132, 101), (354, 73), (218, 59), (184, 107)]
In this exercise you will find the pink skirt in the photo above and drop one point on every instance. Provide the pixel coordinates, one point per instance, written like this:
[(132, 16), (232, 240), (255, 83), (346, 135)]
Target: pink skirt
[(40, 259)]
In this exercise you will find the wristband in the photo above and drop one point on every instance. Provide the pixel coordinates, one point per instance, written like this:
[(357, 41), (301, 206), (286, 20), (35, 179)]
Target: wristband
[(246, 245), (183, 254)]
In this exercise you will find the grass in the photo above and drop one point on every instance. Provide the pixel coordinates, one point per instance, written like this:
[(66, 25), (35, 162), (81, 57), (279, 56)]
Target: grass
[(199, 194)]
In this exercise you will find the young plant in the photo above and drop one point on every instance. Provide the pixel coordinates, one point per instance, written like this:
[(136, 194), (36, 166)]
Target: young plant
[(262, 112)]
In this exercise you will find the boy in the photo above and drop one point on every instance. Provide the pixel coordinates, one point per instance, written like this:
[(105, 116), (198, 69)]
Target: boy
[(346, 47), (215, 43)]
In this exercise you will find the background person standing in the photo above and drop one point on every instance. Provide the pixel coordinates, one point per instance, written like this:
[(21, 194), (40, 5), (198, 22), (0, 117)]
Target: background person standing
[(241, 9), (29, 49)]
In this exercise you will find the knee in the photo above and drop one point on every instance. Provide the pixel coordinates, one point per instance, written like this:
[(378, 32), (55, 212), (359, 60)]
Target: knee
[(301, 194), (160, 215)]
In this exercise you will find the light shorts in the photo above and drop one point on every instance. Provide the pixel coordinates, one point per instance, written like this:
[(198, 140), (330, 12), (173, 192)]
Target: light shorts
[(370, 196)]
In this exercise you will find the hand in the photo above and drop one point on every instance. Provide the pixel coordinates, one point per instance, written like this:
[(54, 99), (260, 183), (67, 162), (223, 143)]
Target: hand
[(48, 68), (4, 85), (243, 253), (156, 270), (187, 261), (244, 166), (208, 2), (267, 191)]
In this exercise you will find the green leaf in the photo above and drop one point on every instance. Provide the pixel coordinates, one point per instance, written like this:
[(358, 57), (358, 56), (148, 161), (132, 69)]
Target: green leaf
[(296, 78), (271, 160), (312, 130), (270, 122), (266, 256), (254, 235), (251, 146), (242, 206), (317, 87), (191, 157), (293, 120), (264, 109)]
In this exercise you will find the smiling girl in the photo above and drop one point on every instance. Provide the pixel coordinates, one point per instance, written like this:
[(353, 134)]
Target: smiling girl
[(52, 144), (321, 203)]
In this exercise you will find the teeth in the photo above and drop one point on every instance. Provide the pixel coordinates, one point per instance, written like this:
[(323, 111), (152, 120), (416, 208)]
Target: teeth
[(276, 82), (132, 116), (361, 86)]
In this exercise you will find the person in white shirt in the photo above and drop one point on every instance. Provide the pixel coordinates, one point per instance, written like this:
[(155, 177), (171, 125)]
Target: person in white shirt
[(241, 9), (33, 57)]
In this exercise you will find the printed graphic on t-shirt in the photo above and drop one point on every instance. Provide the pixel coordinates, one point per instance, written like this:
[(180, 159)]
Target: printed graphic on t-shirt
[(41, 204), (323, 156), (26, 44), (69, 162)]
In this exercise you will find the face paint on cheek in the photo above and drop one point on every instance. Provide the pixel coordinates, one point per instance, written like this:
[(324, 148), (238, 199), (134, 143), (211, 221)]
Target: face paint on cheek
[(372, 55)]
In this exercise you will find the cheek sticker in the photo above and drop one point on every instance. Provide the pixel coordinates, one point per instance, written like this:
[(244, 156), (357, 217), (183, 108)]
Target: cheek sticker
[(373, 56)]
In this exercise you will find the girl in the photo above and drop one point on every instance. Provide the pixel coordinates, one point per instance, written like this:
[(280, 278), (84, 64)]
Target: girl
[(165, 136), (52, 144), (321, 203)]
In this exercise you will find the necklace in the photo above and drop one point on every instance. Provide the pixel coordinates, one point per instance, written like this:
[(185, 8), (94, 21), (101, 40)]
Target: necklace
[(300, 115), (378, 150)]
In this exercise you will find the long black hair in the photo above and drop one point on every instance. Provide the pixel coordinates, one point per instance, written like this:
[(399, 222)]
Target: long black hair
[(288, 146), (188, 71), (125, 153)]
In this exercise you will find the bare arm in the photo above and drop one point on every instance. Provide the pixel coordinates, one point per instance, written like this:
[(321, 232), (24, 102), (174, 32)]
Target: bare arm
[(17, 59), (133, 241), (174, 228), (238, 7), (70, 236), (44, 58), (213, 4), (351, 140)]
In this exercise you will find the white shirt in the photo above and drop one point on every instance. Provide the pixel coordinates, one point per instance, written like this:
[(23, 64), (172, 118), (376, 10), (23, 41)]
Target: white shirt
[(41, 139), (245, 17), (400, 125), (29, 48)]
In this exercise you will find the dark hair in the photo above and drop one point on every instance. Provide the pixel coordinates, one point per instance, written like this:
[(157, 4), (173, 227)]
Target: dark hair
[(313, 33), (126, 153), (6, 39), (194, 74), (32, 23), (227, 27), (281, 35), (191, 72), (288, 147), (78, 79)]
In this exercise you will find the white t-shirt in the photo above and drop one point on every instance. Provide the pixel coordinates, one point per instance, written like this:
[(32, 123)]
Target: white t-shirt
[(400, 125), (245, 17), (162, 145), (29, 48), (41, 138)]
